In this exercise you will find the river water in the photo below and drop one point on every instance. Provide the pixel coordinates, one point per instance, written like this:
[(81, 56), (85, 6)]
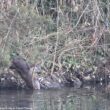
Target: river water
[(87, 98)]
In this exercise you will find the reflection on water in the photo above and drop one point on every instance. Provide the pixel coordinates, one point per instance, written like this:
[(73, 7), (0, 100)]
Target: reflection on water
[(65, 99)]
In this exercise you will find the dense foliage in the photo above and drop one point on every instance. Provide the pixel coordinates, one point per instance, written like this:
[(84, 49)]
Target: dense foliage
[(56, 33)]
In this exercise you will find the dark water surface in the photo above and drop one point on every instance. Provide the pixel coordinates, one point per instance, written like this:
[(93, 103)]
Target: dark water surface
[(64, 99)]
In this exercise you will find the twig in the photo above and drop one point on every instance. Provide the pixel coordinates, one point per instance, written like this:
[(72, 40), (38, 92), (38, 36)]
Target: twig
[(9, 30)]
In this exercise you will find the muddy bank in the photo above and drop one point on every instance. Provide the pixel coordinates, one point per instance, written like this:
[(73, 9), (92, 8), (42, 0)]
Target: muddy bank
[(20, 75)]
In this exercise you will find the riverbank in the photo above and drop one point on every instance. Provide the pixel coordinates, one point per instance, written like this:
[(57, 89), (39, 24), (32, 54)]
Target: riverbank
[(20, 75), (66, 43)]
